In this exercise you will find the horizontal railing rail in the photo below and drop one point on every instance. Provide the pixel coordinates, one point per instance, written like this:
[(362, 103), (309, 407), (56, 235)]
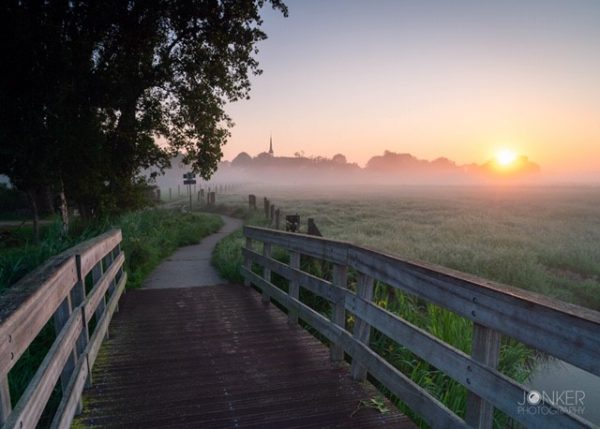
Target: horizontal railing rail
[(57, 292), (566, 331)]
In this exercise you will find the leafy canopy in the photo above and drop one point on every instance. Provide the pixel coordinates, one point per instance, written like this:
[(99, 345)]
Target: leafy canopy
[(88, 88)]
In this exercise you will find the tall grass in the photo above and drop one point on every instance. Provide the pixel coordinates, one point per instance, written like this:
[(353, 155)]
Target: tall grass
[(151, 235), (515, 359), (542, 239), (148, 237)]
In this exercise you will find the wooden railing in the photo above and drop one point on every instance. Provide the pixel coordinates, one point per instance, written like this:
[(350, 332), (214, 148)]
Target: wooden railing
[(566, 331), (70, 289)]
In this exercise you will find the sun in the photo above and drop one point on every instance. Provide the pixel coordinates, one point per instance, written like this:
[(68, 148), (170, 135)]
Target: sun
[(506, 157)]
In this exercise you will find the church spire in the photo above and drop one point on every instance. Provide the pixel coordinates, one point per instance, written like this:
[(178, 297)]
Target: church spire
[(271, 145)]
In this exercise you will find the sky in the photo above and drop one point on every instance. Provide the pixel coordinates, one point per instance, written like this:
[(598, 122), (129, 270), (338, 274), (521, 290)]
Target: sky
[(458, 79)]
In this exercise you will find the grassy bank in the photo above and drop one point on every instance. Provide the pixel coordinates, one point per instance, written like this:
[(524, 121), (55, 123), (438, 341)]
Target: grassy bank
[(148, 237)]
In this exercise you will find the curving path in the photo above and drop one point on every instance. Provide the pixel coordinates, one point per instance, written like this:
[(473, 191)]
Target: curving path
[(190, 266)]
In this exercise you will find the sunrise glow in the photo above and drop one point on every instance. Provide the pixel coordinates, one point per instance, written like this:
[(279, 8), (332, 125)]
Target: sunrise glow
[(506, 157)]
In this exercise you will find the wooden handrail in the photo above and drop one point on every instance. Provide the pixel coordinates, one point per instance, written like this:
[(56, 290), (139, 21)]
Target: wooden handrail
[(57, 290), (563, 330)]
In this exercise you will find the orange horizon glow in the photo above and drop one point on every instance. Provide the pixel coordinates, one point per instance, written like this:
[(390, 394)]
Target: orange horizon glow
[(459, 80)]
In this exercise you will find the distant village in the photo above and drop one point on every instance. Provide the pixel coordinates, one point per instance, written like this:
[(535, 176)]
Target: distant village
[(390, 167)]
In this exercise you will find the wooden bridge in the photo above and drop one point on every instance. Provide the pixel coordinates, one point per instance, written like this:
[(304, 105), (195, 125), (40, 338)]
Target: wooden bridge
[(220, 356)]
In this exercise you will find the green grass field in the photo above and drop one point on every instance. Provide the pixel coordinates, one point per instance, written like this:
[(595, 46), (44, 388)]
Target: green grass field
[(543, 240), (546, 240)]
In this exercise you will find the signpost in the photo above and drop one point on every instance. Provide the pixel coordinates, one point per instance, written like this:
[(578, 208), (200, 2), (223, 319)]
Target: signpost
[(189, 179)]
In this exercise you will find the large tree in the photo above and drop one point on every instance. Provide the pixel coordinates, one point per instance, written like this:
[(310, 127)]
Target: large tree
[(88, 88)]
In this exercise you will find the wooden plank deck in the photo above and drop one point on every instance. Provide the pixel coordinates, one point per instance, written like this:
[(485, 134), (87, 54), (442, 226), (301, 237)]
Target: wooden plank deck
[(216, 357)]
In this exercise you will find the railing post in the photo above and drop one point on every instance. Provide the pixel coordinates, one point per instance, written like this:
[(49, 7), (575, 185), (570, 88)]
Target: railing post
[(485, 349), (294, 289), (78, 295), (338, 316), (5, 405), (362, 330), (96, 275), (266, 272), (61, 317), (110, 258), (247, 260)]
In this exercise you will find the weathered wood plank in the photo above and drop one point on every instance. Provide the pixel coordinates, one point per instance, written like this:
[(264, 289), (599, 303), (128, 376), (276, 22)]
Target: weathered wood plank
[(70, 403), (338, 313), (566, 331), (294, 288), (28, 305), (247, 260), (266, 271), (33, 401), (96, 295), (318, 321), (5, 403), (99, 334), (61, 317), (486, 382), (316, 285), (419, 400), (362, 330), (318, 247), (486, 349), (92, 251)]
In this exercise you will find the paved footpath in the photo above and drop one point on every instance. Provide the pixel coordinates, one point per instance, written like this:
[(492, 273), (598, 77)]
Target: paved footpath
[(190, 266)]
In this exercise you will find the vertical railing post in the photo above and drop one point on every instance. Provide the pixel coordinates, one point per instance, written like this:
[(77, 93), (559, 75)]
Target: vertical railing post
[(247, 260), (61, 317), (362, 330), (78, 295), (266, 272), (97, 272), (485, 349), (5, 405), (338, 316), (294, 289), (110, 259)]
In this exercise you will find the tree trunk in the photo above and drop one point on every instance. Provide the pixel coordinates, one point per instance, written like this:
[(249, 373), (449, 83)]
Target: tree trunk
[(64, 209), (36, 216)]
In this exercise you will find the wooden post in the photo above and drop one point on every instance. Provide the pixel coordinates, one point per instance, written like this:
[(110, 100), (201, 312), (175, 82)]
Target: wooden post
[(312, 228), (61, 317), (277, 214), (485, 349), (252, 202), (96, 274), (266, 272), (248, 261), (266, 207), (5, 405), (78, 295), (179, 190), (272, 214), (338, 316), (294, 289), (362, 330)]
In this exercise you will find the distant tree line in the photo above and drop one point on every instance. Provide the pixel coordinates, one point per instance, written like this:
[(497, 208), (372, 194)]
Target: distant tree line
[(390, 163), (87, 88)]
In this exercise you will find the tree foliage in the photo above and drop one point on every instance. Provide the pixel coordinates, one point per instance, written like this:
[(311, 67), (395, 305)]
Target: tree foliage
[(88, 88)]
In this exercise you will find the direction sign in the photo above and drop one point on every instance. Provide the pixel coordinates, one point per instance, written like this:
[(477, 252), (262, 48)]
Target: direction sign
[(189, 182), (189, 176)]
